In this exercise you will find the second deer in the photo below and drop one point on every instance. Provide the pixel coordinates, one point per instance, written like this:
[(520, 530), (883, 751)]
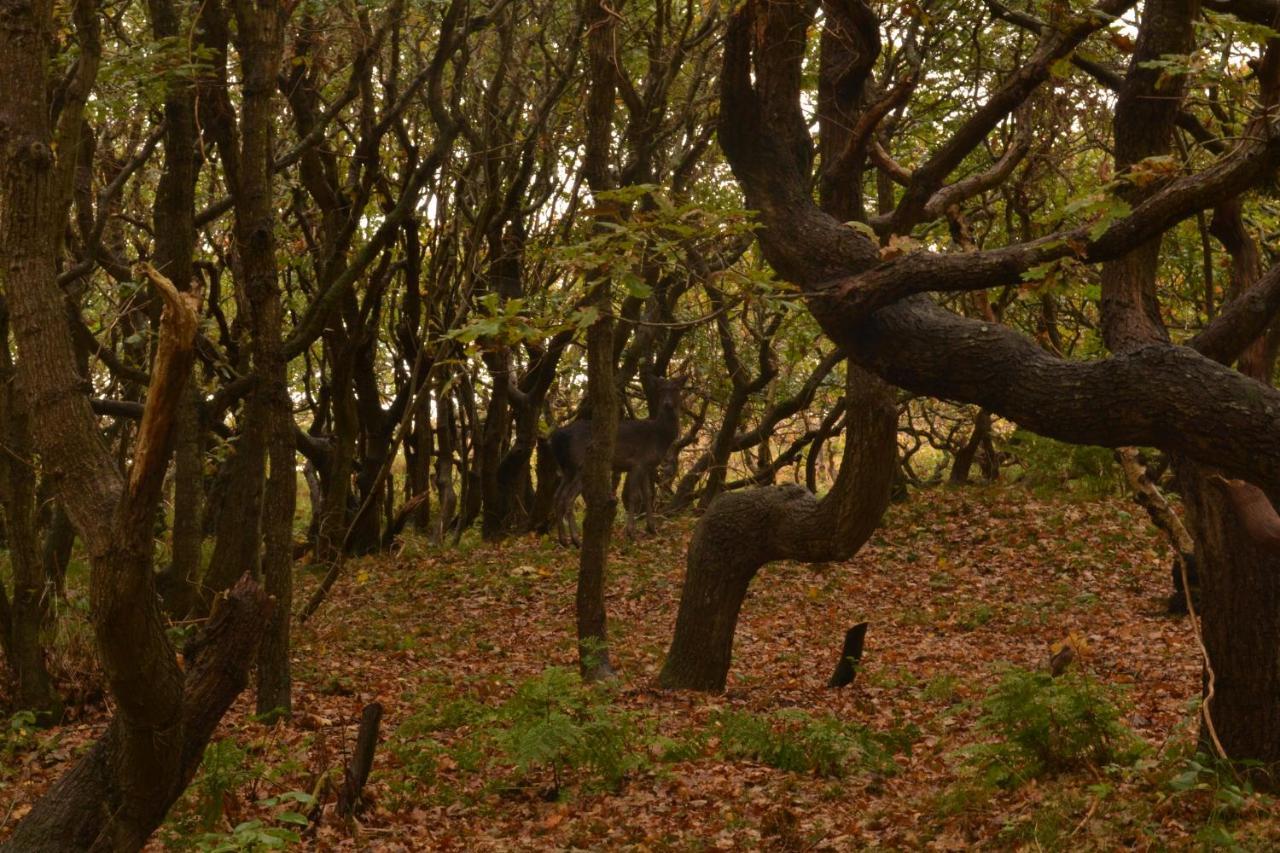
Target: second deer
[(641, 445)]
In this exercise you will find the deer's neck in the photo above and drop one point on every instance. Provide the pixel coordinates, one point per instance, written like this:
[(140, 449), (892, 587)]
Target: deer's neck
[(668, 423)]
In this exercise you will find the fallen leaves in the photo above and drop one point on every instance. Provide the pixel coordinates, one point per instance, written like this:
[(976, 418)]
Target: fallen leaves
[(957, 583)]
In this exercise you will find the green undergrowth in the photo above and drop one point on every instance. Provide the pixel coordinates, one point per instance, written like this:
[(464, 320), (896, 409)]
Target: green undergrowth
[(800, 742), (1096, 785), (237, 779), (556, 737)]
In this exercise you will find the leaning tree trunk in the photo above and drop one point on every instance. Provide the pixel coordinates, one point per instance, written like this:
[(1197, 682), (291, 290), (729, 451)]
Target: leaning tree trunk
[(77, 812), (118, 793), (744, 531)]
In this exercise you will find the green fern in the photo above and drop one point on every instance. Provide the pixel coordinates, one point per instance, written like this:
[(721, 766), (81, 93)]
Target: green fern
[(558, 724), (1047, 725)]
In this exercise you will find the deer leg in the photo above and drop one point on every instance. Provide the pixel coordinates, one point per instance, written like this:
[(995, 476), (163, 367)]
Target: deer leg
[(649, 524), (575, 489), (630, 491), (562, 504)]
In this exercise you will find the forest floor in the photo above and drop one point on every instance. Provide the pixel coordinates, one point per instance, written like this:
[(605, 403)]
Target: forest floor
[(490, 744)]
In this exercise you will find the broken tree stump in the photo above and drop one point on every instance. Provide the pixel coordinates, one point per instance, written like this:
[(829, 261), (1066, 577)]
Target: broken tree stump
[(357, 772), (850, 655)]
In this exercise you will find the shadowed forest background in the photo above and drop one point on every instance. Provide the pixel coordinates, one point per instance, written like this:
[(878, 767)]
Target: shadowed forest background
[(913, 364)]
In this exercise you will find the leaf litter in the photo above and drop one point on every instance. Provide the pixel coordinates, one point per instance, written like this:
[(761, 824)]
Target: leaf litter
[(958, 586)]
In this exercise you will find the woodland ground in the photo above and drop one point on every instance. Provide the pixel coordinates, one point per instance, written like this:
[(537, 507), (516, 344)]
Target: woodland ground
[(958, 586)]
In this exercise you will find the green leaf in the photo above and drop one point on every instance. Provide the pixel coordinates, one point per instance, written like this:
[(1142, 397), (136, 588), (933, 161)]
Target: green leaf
[(636, 286)]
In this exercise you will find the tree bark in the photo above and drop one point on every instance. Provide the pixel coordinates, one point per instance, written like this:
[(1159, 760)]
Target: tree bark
[(964, 459), (259, 40), (173, 219), (744, 531), (22, 618), (80, 811), (1240, 624), (597, 473)]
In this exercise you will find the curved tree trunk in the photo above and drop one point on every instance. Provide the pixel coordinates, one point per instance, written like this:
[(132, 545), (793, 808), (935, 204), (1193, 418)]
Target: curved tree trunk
[(743, 531)]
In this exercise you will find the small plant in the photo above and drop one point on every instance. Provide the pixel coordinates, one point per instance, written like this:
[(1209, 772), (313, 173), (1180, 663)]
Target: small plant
[(976, 616), (18, 736), (941, 688), (557, 723), (1047, 725), (1202, 772), (255, 835), (417, 749), (688, 746), (223, 770), (793, 740)]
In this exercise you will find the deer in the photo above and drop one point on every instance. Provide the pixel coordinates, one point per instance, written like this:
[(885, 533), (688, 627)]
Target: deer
[(640, 445)]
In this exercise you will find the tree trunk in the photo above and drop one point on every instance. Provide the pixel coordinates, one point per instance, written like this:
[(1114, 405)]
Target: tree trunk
[(259, 40), (237, 543), (1240, 625), (547, 473), (22, 619), (447, 495), (178, 581), (493, 436), (744, 531), (84, 809), (59, 539), (980, 436), (602, 395), (417, 469), (597, 493), (116, 795), (173, 219)]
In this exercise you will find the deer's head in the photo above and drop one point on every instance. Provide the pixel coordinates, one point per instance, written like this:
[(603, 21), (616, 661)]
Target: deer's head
[(664, 393)]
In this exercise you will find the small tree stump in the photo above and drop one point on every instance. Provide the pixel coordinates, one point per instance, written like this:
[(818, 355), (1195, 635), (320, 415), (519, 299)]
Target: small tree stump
[(357, 773), (850, 655)]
